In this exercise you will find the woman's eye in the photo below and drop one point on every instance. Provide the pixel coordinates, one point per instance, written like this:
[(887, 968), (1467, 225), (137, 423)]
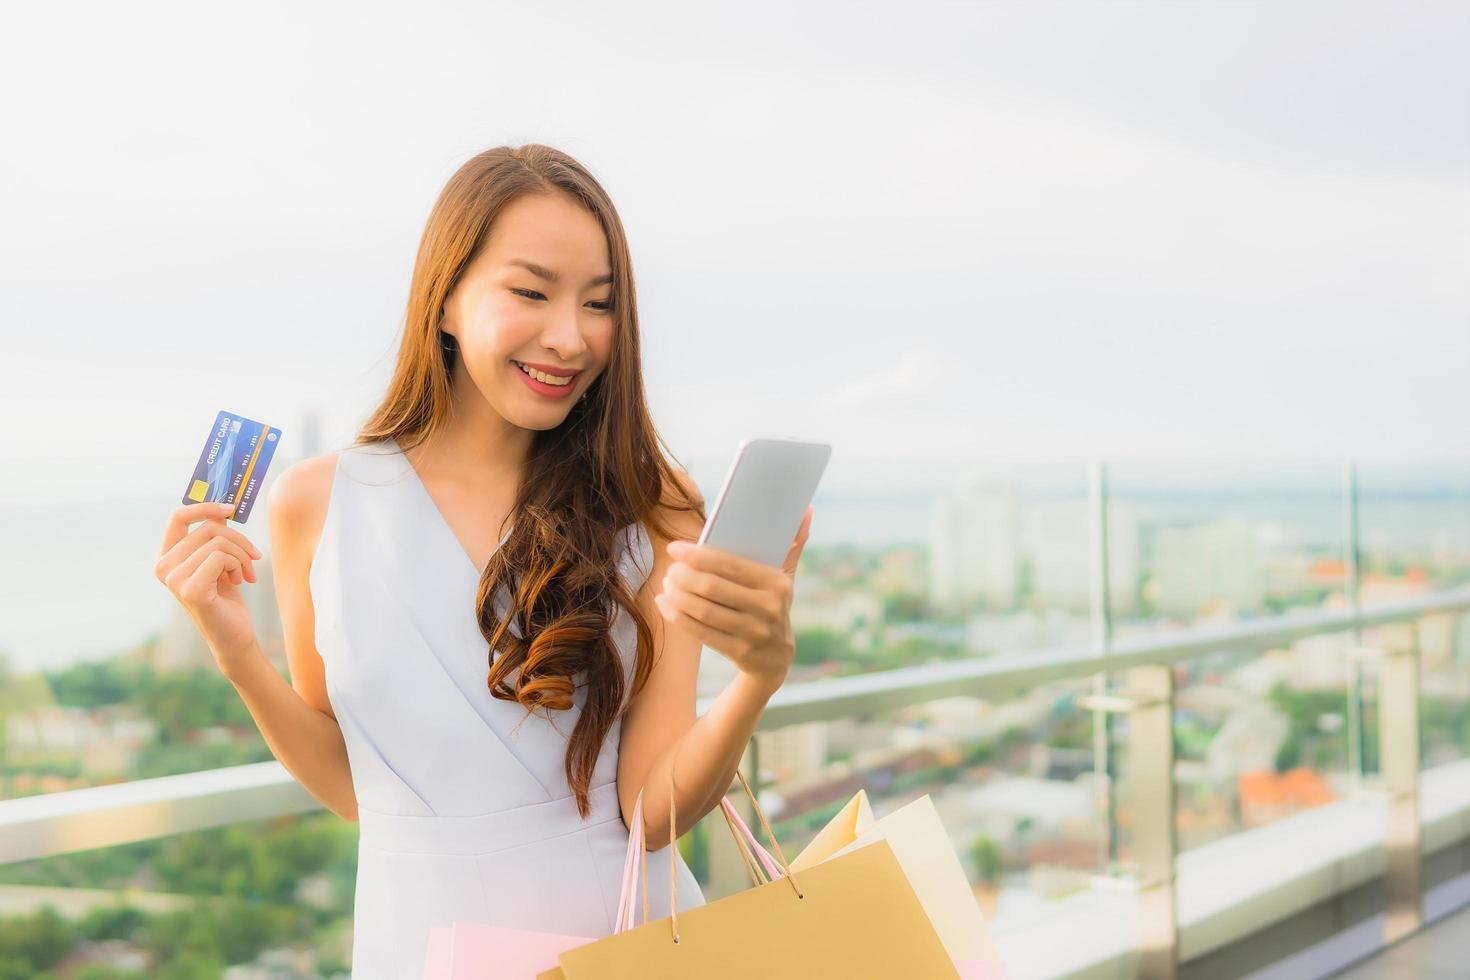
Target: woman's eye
[(602, 306)]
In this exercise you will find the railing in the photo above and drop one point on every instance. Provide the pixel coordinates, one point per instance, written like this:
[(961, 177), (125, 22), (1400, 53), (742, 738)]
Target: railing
[(1133, 677), (58, 823)]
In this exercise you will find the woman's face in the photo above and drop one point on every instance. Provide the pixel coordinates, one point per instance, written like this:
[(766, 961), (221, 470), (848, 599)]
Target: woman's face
[(554, 317)]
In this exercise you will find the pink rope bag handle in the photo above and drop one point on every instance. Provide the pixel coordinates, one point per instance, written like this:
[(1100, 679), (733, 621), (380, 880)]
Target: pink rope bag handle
[(635, 860)]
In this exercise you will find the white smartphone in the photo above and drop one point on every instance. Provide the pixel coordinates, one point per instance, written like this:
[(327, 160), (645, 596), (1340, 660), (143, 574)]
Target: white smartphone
[(764, 497)]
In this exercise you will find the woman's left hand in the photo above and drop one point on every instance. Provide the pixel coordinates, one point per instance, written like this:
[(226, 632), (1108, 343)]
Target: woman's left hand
[(738, 607)]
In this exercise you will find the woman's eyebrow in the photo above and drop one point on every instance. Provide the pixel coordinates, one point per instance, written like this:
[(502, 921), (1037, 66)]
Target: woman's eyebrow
[(551, 276)]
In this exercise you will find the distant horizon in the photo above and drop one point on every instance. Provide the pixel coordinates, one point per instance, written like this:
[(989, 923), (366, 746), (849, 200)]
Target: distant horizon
[(46, 481), (43, 582)]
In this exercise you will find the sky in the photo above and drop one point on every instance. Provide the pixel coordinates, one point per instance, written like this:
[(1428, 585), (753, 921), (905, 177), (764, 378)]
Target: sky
[(923, 232), (1202, 239)]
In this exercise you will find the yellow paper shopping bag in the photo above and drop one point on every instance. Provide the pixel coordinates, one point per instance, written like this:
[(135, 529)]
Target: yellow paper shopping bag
[(921, 845), (840, 831), (854, 915)]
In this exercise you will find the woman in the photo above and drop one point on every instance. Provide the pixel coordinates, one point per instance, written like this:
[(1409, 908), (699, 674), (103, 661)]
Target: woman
[(492, 606)]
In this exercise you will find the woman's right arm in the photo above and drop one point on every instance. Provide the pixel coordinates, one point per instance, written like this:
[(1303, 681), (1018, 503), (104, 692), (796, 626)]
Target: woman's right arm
[(296, 719), (204, 563), (204, 566)]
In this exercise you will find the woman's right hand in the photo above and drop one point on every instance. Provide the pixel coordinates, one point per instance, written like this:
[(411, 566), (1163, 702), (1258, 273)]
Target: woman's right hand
[(203, 568)]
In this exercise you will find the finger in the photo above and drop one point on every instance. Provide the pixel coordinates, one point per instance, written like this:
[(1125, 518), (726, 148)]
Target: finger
[(242, 545), (716, 617), (183, 548), (185, 570), (717, 640), (743, 571), (205, 578), (218, 528), (181, 517), (676, 620), (198, 538), (794, 552), (211, 530), (717, 589)]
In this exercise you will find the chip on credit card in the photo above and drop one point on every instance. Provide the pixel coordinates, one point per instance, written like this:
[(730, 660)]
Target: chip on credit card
[(232, 466)]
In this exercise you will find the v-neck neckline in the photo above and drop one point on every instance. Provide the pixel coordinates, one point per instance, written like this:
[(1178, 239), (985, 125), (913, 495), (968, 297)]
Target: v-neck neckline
[(444, 521)]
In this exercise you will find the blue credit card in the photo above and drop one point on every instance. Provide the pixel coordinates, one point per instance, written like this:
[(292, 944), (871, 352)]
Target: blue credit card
[(233, 464)]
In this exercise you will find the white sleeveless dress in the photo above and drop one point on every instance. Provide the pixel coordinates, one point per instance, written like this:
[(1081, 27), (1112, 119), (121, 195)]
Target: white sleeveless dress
[(463, 804)]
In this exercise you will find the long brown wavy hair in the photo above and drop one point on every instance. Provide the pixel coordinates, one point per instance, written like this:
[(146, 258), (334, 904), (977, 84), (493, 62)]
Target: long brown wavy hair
[(595, 473)]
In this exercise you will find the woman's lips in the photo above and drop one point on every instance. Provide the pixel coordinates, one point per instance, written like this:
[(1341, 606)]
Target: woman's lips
[(541, 387)]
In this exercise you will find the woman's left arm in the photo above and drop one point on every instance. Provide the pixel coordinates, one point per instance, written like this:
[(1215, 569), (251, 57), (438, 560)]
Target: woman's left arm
[(698, 596)]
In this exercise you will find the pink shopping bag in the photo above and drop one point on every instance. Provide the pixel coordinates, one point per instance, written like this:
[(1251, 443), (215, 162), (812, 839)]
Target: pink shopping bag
[(476, 951)]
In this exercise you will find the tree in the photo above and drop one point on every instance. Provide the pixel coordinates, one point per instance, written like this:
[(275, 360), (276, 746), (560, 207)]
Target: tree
[(34, 942), (905, 607), (985, 853), (818, 646)]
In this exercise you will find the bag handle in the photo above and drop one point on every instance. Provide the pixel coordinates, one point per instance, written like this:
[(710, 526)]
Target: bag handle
[(732, 816), (636, 856), (742, 847)]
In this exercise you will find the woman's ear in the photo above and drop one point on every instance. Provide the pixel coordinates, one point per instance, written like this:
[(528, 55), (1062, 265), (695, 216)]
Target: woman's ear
[(446, 322)]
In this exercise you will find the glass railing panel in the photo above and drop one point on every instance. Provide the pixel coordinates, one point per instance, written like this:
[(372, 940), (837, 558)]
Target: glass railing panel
[(1444, 688), (1413, 528), (95, 722), (1258, 737), (953, 563), (1011, 779), (1207, 544), (275, 893), (124, 688)]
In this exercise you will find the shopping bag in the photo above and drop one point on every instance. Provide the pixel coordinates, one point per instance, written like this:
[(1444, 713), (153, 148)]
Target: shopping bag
[(477, 951), (921, 845), (854, 915), (857, 813)]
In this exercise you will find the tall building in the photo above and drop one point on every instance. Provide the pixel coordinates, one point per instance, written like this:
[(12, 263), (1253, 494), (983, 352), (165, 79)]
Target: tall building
[(973, 547), (793, 752), (1056, 538), (309, 438), (1203, 565)]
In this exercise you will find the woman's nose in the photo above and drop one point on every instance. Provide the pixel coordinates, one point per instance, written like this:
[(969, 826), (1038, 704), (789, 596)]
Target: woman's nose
[(566, 337)]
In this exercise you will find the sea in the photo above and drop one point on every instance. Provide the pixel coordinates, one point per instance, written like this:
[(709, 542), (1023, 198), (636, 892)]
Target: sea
[(76, 572)]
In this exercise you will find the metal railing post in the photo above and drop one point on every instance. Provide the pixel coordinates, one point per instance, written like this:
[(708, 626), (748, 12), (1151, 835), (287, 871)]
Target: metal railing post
[(1351, 557), (1105, 802), (1398, 760), (1151, 759), (1147, 698)]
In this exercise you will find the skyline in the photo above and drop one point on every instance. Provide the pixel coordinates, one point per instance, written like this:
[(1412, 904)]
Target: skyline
[(43, 579)]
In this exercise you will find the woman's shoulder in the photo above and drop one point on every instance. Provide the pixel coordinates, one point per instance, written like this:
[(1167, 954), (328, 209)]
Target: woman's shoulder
[(296, 503), (676, 518), (675, 512)]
